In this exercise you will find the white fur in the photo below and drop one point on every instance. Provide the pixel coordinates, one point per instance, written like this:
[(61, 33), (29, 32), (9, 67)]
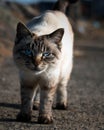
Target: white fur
[(48, 23)]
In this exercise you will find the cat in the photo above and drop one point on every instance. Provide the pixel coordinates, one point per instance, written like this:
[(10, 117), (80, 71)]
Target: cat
[(43, 52)]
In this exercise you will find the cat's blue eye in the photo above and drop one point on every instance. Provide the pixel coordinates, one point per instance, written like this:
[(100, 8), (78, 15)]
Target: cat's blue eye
[(46, 54), (27, 52)]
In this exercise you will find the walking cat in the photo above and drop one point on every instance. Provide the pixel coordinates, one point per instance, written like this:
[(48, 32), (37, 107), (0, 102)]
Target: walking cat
[(43, 52)]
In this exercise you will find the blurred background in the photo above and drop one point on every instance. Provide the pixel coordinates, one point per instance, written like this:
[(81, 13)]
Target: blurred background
[(86, 87), (86, 17)]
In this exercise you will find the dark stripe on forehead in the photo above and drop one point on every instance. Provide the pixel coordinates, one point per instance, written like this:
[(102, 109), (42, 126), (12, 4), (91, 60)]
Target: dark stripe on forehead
[(39, 44)]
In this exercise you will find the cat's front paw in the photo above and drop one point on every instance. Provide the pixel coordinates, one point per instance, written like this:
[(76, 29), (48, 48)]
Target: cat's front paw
[(45, 119), (23, 117), (61, 106)]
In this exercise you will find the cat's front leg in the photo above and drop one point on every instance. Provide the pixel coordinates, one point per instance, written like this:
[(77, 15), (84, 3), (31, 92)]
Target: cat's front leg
[(27, 96), (37, 99), (46, 100)]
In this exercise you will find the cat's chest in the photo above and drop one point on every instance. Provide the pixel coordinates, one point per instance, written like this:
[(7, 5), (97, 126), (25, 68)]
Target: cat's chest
[(48, 78)]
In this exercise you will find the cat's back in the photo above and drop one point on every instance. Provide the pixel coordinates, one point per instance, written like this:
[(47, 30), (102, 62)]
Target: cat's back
[(49, 22)]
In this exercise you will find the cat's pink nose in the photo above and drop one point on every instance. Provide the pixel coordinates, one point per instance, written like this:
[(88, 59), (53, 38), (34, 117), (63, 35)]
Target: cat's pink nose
[(36, 63), (37, 59)]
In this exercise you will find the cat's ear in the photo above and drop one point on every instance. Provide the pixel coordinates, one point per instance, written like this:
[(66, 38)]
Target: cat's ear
[(22, 31), (56, 36)]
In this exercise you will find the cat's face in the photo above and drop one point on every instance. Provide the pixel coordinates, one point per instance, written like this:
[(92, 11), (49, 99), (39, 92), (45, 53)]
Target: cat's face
[(36, 53)]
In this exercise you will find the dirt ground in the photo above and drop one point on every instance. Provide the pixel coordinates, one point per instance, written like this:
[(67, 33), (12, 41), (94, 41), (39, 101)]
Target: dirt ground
[(85, 94)]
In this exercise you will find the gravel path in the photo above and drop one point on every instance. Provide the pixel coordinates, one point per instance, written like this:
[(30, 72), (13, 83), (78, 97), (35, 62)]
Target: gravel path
[(85, 89)]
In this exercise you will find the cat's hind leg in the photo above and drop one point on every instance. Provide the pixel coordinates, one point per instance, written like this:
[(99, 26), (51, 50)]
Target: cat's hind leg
[(61, 99)]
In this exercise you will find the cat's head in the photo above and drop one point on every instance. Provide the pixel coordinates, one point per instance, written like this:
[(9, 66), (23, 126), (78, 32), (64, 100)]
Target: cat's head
[(36, 53)]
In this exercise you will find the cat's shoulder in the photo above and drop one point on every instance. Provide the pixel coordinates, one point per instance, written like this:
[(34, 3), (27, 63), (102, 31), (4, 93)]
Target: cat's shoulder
[(48, 16)]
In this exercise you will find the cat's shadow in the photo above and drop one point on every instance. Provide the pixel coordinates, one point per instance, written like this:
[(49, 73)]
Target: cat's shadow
[(10, 105), (13, 106), (7, 120), (6, 106)]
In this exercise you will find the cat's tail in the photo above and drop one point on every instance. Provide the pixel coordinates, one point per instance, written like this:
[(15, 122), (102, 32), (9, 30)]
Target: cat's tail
[(62, 5)]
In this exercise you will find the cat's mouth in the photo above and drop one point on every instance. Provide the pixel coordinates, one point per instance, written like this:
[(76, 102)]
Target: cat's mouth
[(36, 69)]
